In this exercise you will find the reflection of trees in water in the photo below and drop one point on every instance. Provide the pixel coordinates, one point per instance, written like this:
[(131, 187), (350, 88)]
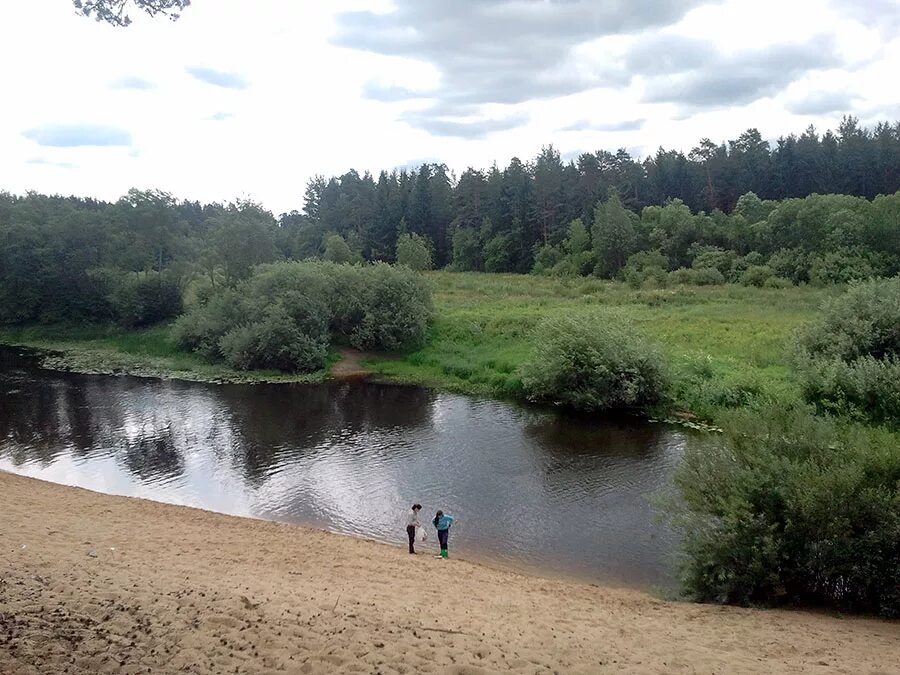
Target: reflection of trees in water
[(149, 425), (272, 420), (153, 456), (568, 438), (45, 413)]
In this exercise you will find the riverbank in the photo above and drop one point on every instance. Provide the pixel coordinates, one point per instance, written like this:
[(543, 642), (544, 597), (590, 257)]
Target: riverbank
[(107, 350), (726, 345), (97, 584)]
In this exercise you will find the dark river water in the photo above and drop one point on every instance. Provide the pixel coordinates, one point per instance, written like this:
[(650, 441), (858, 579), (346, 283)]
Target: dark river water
[(529, 488)]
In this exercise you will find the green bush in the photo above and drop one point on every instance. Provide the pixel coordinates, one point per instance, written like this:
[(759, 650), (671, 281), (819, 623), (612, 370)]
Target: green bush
[(847, 264), (397, 308), (414, 251), (140, 301), (646, 268), (777, 282), (790, 508), (865, 388), (700, 276), (291, 336), (756, 275), (850, 358), (286, 315), (593, 362), (864, 321)]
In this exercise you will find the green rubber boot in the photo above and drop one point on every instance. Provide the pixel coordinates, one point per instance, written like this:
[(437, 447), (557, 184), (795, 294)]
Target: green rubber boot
[(444, 553)]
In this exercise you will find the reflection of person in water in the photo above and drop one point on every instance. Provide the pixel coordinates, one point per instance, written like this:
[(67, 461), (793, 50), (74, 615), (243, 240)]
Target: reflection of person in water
[(442, 523), (412, 524)]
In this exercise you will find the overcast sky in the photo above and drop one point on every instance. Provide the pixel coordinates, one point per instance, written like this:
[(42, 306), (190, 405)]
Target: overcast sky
[(244, 98)]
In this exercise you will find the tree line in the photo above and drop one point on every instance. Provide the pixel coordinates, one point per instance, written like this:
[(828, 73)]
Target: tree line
[(501, 215), (131, 261)]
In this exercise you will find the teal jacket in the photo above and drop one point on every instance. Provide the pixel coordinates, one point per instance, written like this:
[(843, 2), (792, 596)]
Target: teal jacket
[(444, 522)]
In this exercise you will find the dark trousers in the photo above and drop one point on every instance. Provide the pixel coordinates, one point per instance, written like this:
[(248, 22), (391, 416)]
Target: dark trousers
[(411, 533), (443, 535)]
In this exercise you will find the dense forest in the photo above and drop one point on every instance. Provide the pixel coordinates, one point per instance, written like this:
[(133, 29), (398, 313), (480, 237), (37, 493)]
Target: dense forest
[(740, 211)]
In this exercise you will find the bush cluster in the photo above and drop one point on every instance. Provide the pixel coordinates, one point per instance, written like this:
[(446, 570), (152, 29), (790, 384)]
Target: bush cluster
[(791, 508), (593, 363), (850, 357), (140, 300), (286, 315)]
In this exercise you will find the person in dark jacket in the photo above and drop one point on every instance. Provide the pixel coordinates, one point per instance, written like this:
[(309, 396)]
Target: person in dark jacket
[(442, 522), (412, 524)]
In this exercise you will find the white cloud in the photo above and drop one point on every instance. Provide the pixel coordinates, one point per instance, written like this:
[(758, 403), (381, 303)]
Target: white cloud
[(307, 105)]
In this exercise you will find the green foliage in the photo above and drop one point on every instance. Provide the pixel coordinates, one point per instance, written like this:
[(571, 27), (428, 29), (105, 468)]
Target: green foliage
[(497, 256), (761, 527), (414, 251), (777, 282), (395, 306), (614, 236), (466, 250), (143, 300), (844, 265), (285, 315), (546, 258), (700, 276), (647, 268), (714, 257), (864, 321), (337, 250), (289, 335), (242, 237), (850, 357), (593, 362), (865, 388), (756, 275)]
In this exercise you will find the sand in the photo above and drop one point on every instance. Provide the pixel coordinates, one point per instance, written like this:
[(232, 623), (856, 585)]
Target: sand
[(99, 584)]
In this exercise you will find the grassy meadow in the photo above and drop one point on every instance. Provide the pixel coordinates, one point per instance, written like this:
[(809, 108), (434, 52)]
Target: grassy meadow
[(726, 345)]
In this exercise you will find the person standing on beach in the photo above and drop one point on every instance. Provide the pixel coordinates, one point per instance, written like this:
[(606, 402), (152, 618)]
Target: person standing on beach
[(412, 524), (442, 522)]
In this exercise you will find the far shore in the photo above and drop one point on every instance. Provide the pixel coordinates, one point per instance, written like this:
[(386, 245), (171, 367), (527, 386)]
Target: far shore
[(101, 584)]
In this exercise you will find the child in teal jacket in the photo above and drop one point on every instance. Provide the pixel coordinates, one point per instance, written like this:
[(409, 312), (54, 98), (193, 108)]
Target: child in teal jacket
[(442, 521)]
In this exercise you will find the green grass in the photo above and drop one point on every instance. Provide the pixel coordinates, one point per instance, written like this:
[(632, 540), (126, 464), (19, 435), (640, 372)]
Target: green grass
[(151, 353), (726, 345)]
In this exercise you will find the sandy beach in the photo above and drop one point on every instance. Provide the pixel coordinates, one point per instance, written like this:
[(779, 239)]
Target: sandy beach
[(99, 584)]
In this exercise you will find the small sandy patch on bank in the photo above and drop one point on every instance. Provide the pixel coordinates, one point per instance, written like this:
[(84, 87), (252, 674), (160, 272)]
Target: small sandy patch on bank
[(100, 584)]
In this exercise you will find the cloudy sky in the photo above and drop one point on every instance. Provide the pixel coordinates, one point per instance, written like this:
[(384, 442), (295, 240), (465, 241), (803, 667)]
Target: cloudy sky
[(244, 98)]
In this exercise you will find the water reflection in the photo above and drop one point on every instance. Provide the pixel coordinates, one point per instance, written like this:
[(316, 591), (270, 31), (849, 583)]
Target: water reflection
[(528, 487)]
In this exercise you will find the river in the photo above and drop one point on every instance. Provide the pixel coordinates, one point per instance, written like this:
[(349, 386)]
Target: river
[(530, 488)]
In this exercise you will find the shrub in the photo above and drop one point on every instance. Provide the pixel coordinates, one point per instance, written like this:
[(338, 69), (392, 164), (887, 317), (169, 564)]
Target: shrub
[(864, 321), (845, 265), (865, 388), (791, 264), (707, 276), (702, 276), (337, 250), (756, 275), (414, 251), (290, 336), (777, 282), (644, 267), (286, 314), (143, 301), (760, 521), (593, 362), (711, 256), (397, 309), (546, 257)]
